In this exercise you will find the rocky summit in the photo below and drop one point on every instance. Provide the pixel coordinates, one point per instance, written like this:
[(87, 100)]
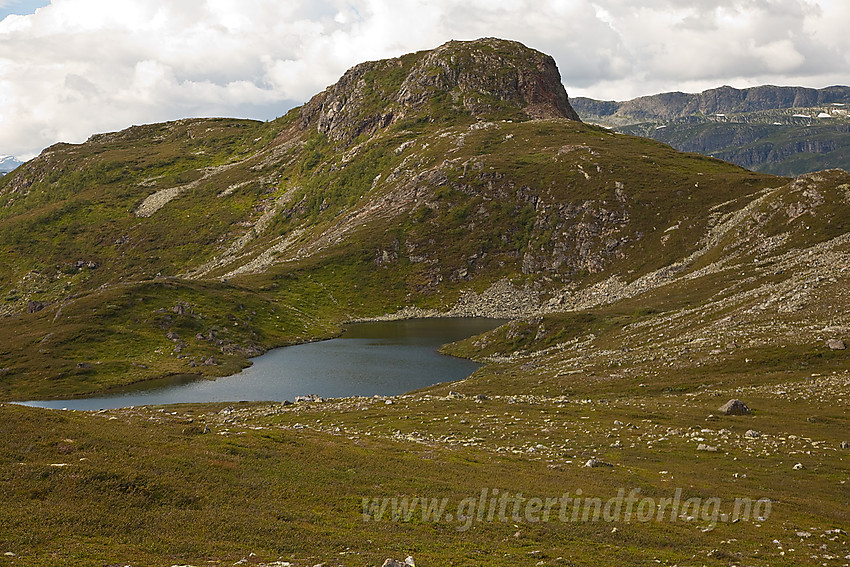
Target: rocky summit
[(642, 288), (524, 84)]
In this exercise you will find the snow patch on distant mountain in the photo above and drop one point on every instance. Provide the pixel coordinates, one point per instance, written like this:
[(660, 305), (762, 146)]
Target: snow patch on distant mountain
[(8, 163)]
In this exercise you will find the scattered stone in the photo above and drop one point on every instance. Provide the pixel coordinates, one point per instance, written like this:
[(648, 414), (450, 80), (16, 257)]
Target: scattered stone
[(83, 365), (595, 463), (172, 336), (752, 434), (211, 361), (734, 407), (393, 563), (80, 264), (704, 447), (481, 398), (179, 309), (453, 394), (249, 351), (309, 398), (388, 402), (845, 445), (836, 344), (799, 467), (409, 561), (804, 534)]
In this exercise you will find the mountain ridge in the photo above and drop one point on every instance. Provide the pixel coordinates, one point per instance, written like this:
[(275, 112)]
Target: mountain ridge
[(673, 105), (779, 130)]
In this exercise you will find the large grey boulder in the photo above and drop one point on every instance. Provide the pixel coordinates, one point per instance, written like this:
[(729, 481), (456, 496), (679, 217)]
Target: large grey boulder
[(734, 407)]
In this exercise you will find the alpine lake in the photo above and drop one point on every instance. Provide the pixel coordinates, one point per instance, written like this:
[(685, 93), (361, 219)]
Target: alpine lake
[(385, 358)]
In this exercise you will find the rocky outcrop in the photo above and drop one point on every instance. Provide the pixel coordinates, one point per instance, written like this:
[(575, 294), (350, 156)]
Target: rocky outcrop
[(487, 78), (34, 306)]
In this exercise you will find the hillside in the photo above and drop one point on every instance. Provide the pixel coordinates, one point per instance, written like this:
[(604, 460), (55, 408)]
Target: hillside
[(779, 130), (420, 178), (645, 287)]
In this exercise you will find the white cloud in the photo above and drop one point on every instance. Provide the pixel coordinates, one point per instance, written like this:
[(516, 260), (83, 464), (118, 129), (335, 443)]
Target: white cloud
[(77, 67)]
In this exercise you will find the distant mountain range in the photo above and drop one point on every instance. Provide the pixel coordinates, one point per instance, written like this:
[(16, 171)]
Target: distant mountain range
[(780, 130), (7, 164)]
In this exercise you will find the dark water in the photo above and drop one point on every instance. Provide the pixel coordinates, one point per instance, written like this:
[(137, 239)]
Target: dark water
[(384, 358)]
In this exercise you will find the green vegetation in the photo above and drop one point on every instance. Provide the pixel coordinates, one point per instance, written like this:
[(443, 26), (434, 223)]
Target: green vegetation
[(146, 486)]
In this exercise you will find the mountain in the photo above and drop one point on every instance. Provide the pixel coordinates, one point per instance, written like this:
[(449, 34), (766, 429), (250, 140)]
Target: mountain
[(427, 179), (7, 164), (645, 289), (780, 130)]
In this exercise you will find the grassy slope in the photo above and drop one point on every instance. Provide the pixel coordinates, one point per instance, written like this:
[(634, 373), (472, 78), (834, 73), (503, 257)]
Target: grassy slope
[(259, 484)]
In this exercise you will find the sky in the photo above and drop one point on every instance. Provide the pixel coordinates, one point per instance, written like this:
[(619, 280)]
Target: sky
[(71, 68)]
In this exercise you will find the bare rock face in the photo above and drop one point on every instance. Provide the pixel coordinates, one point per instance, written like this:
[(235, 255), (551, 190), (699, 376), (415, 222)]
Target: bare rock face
[(34, 306), (734, 407), (487, 78)]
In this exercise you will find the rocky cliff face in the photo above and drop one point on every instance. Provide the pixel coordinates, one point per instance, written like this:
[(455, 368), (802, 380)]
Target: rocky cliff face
[(484, 79)]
